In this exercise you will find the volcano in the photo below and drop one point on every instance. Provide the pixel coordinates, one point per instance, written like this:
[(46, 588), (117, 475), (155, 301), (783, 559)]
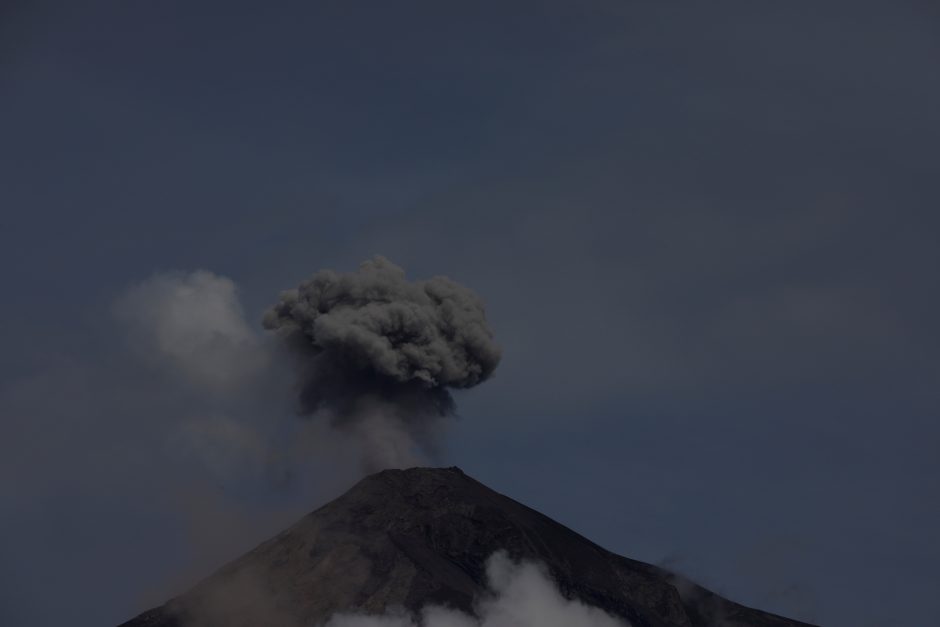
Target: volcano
[(405, 539)]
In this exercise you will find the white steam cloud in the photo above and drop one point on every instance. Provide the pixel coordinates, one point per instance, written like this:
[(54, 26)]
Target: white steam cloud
[(520, 595), (194, 324), (224, 412)]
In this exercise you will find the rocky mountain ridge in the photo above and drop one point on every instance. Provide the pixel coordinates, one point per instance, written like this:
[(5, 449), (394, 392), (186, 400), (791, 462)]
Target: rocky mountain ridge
[(410, 538)]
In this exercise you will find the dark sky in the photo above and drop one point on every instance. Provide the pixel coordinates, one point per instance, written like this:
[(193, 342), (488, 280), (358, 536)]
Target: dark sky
[(706, 234)]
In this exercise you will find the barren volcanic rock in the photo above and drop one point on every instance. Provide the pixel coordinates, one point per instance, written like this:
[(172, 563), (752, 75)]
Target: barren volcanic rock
[(408, 538)]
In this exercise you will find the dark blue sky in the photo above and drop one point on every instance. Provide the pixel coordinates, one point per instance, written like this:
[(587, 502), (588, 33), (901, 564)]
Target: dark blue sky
[(706, 234)]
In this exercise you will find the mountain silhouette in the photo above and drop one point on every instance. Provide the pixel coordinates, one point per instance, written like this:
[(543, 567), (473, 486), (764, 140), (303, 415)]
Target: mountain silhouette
[(406, 539)]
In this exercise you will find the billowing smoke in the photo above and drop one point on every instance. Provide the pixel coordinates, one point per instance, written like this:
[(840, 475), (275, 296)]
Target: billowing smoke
[(379, 354)]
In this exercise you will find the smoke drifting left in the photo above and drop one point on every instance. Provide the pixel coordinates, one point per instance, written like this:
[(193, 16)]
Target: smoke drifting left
[(374, 358)]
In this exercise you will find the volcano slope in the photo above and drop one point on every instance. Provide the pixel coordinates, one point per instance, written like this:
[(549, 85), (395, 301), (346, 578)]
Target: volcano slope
[(401, 540)]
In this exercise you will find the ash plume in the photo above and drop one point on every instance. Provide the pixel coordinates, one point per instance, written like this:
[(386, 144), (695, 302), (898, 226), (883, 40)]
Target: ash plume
[(379, 354)]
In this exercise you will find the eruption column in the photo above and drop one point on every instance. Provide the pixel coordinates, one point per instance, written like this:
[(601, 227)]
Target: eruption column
[(379, 354)]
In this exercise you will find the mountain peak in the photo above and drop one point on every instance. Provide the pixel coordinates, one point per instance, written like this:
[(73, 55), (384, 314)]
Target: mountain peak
[(422, 536)]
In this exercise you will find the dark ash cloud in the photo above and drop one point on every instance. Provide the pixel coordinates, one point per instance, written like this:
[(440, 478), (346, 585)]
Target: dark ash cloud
[(379, 352)]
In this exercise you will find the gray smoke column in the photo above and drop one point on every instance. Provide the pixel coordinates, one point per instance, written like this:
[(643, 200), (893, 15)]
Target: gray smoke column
[(379, 354)]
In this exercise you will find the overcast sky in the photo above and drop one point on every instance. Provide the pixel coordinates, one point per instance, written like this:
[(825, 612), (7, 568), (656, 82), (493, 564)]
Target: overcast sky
[(706, 235)]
